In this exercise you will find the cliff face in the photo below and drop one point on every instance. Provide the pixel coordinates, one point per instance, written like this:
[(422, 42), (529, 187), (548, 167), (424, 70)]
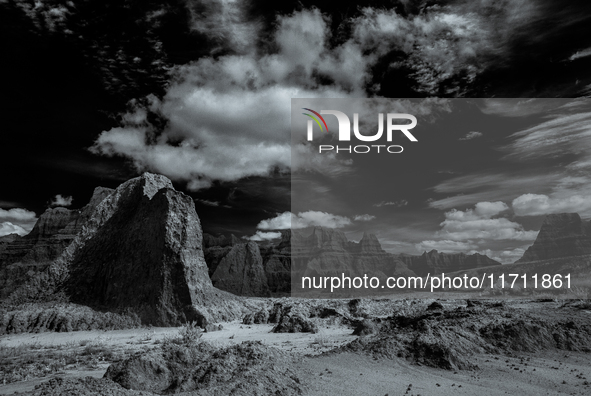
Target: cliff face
[(277, 264), (241, 271), (23, 257), (561, 235), (141, 250), (55, 229), (434, 262), (327, 252), (137, 248)]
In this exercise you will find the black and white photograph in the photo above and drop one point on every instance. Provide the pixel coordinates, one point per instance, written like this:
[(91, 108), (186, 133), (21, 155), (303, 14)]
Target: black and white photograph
[(242, 197)]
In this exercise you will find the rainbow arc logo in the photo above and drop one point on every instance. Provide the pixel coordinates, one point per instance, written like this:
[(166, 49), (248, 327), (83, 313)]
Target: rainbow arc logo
[(316, 119)]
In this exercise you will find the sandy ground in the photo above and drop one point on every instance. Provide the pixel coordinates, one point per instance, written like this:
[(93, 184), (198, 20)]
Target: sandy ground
[(325, 373), (360, 375), (137, 339)]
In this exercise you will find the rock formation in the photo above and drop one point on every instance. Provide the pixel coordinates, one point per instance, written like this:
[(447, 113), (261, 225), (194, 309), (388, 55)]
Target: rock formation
[(241, 271), (561, 235), (138, 249), (434, 262), (327, 252), (277, 264), (22, 257), (53, 232)]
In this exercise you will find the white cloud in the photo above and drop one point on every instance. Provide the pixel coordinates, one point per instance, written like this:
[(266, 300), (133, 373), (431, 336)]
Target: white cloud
[(7, 228), (60, 200), (580, 54), (471, 135), (225, 22), (229, 116), (264, 236), (539, 204), (17, 215), (401, 203), (17, 220), (479, 224), (365, 217), (310, 218)]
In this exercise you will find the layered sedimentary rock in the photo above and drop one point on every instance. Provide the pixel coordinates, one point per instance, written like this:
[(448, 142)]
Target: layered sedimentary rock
[(241, 271), (139, 249), (327, 252), (561, 235), (434, 262), (55, 229), (23, 257), (215, 248), (277, 264), (270, 262)]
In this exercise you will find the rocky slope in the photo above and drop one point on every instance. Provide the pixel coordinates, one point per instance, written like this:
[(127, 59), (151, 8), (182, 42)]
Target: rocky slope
[(561, 235), (434, 262), (55, 229), (249, 269), (139, 251), (241, 271), (22, 257)]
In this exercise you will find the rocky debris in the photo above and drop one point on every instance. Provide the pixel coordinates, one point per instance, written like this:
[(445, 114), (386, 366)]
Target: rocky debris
[(434, 306), (38, 318), (139, 251), (249, 368), (366, 327), (241, 271), (561, 235), (292, 318), (259, 317), (448, 339), (434, 262), (88, 386), (295, 323)]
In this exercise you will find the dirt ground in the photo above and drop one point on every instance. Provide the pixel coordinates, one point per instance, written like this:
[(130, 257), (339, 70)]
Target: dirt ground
[(324, 368)]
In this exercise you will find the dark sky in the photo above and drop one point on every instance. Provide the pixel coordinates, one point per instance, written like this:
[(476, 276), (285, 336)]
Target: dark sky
[(95, 92)]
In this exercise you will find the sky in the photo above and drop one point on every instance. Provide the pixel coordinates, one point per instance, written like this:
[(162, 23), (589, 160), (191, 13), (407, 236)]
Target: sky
[(95, 93)]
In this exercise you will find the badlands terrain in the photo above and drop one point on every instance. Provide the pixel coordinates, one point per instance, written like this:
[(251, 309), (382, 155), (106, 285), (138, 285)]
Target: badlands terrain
[(128, 296)]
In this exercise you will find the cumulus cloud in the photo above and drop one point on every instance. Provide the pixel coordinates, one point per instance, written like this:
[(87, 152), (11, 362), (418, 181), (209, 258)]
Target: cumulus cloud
[(228, 117), (60, 200), (471, 135), (310, 218), (17, 220), (479, 224), (227, 114), (7, 228), (264, 236), (474, 229), (17, 215), (539, 204), (365, 217)]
